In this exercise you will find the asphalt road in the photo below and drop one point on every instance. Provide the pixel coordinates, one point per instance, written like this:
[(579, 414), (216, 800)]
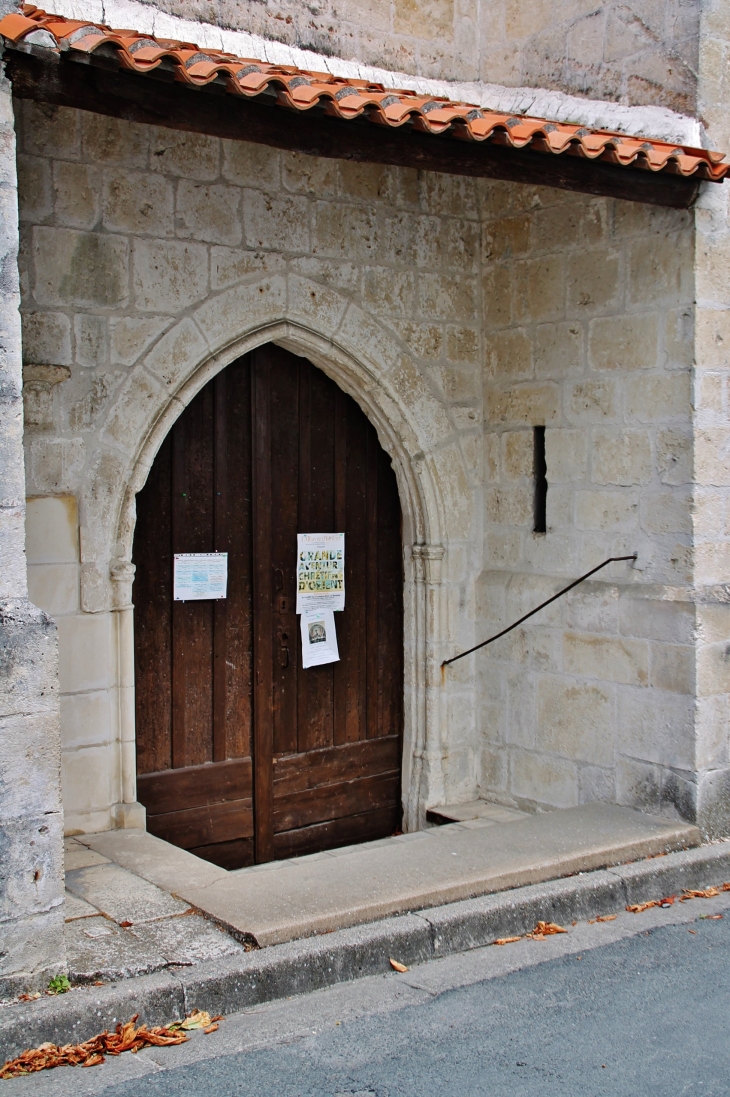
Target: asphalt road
[(645, 1014)]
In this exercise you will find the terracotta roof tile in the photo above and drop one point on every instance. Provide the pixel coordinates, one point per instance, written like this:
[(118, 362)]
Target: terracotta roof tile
[(298, 89)]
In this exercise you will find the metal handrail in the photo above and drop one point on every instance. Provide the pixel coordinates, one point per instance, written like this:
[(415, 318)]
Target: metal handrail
[(611, 560)]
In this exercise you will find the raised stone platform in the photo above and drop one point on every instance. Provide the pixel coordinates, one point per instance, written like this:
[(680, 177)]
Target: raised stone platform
[(286, 900)]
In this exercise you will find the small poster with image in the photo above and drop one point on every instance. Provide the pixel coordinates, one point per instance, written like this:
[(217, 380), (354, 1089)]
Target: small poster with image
[(319, 639)]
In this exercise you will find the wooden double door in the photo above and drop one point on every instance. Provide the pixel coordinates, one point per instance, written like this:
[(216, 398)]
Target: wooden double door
[(243, 756)]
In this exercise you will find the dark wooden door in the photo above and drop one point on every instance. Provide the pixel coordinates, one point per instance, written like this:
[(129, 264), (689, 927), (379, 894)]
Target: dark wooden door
[(242, 755)]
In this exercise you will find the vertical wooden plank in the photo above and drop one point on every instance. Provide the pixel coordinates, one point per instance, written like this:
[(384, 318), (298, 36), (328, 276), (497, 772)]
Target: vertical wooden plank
[(371, 628), (284, 388), (152, 598), (318, 730), (344, 634), (220, 544), (179, 646), (356, 573), (262, 601), (197, 536), (239, 609), (304, 526)]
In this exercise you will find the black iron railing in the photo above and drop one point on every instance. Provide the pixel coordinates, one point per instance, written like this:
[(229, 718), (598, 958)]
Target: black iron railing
[(611, 560)]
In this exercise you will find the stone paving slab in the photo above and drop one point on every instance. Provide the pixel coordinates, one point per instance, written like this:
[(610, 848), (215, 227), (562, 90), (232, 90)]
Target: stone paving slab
[(154, 860), (76, 855), (122, 895), (186, 940), (77, 908), (98, 949), (440, 865)]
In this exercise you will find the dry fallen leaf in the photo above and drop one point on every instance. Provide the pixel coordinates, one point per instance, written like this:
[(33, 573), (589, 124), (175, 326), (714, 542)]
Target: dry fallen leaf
[(697, 893), (545, 929), (602, 918), (91, 1052), (639, 908), (507, 940), (397, 966), (210, 1028), (725, 886), (710, 917)]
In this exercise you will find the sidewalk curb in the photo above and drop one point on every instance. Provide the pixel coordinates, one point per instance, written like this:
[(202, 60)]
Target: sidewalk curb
[(298, 967)]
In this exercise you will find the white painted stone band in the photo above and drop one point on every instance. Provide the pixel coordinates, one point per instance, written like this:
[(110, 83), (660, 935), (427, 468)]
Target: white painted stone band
[(637, 121)]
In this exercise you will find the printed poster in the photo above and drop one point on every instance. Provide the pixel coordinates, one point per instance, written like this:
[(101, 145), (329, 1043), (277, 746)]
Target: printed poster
[(199, 575), (319, 639), (320, 571)]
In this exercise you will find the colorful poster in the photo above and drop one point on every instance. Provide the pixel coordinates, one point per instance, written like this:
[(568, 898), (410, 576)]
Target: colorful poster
[(319, 639), (320, 571), (199, 575)]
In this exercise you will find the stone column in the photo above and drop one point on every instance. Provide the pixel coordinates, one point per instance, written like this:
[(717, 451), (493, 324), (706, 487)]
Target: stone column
[(31, 818), (711, 472)]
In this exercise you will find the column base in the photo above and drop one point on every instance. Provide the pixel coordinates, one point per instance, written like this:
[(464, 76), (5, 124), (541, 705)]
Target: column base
[(129, 816)]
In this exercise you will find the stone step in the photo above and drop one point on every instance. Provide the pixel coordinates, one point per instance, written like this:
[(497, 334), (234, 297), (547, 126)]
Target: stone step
[(285, 900)]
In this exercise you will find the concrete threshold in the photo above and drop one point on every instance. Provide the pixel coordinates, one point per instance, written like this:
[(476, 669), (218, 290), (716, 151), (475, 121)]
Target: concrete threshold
[(247, 979), (286, 900)]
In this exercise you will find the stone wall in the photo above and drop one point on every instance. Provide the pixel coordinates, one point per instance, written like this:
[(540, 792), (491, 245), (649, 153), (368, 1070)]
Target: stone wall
[(460, 314), (635, 53), (31, 818)]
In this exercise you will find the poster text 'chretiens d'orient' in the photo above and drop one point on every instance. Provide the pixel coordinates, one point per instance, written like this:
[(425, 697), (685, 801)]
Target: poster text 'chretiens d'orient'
[(320, 571)]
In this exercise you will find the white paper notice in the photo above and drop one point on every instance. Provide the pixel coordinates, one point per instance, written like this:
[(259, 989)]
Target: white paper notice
[(319, 639), (320, 571), (199, 575)]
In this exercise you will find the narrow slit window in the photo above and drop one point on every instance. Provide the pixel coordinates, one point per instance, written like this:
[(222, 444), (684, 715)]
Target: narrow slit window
[(541, 484)]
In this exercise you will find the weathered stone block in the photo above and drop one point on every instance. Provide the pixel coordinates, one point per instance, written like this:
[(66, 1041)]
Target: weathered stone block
[(566, 455), (559, 349), (518, 455), (86, 720), (249, 165), (78, 191), (553, 780), (54, 587), (35, 193), (190, 155), (86, 650), (205, 212), (621, 457), (169, 275), (52, 530), (675, 457), (593, 281), (138, 202), (658, 397), (47, 338), (607, 510), (130, 336), (592, 401), (509, 355), (113, 141), (606, 658), (523, 403), (540, 288), (80, 268), (623, 342), (673, 668), (656, 727), (576, 720), (280, 222), (92, 340), (89, 779)]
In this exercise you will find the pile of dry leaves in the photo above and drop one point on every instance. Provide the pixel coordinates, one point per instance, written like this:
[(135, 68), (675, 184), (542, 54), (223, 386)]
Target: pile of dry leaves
[(91, 1052), (669, 900), (539, 933)]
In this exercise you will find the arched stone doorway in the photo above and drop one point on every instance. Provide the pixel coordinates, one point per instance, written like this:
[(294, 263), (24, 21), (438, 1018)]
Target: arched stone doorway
[(241, 754)]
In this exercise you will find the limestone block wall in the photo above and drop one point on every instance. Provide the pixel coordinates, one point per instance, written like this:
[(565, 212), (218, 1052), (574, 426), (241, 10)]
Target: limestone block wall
[(31, 817), (592, 306), (635, 53), (460, 314), (150, 259)]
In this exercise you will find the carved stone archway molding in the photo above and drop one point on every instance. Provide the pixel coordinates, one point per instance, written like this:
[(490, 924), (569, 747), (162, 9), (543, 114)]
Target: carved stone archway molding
[(408, 429)]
